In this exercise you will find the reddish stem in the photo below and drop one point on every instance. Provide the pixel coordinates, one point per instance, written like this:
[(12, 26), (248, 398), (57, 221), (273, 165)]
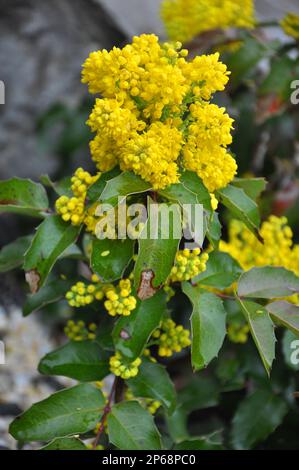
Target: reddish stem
[(106, 411)]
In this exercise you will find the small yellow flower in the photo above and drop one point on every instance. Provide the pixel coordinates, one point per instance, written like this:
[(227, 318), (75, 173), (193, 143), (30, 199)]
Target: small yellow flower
[(119, 301), (123, 369), (238, 333), (79, 331), (171, 338), (188, 264), (290, 25)]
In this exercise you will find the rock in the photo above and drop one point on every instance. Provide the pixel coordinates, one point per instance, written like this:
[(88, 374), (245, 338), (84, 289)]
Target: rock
[(43, 45)]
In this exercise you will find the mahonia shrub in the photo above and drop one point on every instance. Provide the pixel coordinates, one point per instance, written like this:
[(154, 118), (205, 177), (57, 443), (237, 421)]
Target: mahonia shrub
[(185, 19), (159, 141)]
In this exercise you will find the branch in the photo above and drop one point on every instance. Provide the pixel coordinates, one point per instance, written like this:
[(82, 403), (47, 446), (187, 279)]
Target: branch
[(106, 411)]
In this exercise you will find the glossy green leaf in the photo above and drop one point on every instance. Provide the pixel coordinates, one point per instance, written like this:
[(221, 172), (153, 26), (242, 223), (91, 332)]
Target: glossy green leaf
[(256, 418), (71, 411), (242, 63), (253, 187), (154, 382), (241, 206), (109, 258), (190, 190), (131, 333), (61, 187), (207, 324), (222, 271), (52, 238), (199, 443), (94, 192), (123, 185), (213, 229), (23, 196), (50, 293), (286, 314), (80, 360), (65, 443), (262, 330), (157, 249), (12, 255), (268, 282), (131, 427)]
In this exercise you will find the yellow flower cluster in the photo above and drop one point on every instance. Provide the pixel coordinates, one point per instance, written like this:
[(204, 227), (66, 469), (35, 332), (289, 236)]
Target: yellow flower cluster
[(237, 333), (121, 368), (188, 264), (154, 117), (290, 25), (148, 403), (171, 338), (277, 250), (119, 301), (73, 208), (185, 19), (78, 331), (205, 150), (82, 294)]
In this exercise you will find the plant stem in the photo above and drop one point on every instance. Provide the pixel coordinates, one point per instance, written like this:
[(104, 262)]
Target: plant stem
[(106, 411)]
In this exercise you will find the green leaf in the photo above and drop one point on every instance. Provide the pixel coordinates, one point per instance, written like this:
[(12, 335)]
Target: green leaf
[(192, 182), (94, 192), (290, 348), (214, 229), (12, 255), (131, 427), (207, 323), (80, 360), (23, 196), (61, 187), (257, 416), (262, 330), (268, 282), (242, 63), (286, 314), (71, 411), (153, 382), (156, 255), (199, 443), (52, 238), (123, 185), (109, 258), (131, 334), (65, 443), (190, 190), (221, 272), (48, 294), (253, 187), (241, 206), (201, 392)]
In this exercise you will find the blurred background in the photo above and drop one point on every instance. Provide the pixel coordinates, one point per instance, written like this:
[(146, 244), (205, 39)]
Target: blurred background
[(43, 131)]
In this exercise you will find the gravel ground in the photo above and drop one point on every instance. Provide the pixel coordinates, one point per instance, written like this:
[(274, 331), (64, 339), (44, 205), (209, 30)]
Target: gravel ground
[(25, 341)]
